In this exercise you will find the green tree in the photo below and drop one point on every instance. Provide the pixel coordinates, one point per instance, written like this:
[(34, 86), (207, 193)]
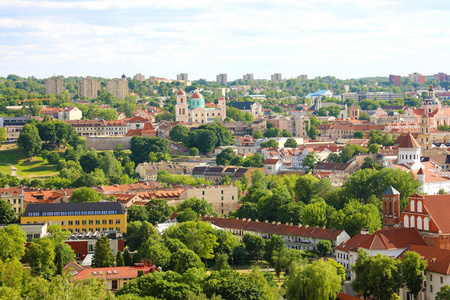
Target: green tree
[(290, 143), (274, 244), (270, 144), (248, 210), (128, 261), (158, 210), (221, 262), (6, 212), (41, 257), (224, 157), (315, 214), (413, 268), (310, 161), (286, 133), (316, 281), (156, 252), (103, 256), (63, 255), (187, 259), (377, 276), (324, 247), (29, 140), (13, 241), (2, 134), (199, 206), (142, 146), (364, 116), (304, 187), (53, 158), (120, 262), (374, 148), (194, 152), (359, 134), (178, 133), (444, 293), (188, 215), (138, 233), (258, 134), (137, 213), (85, 194), (254, 246), (272, 132)]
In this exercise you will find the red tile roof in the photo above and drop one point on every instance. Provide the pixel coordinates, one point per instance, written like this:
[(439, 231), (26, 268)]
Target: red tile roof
[(409, 142), (393, 239), (353, 243), (438, 259), (121, 272), (271, 161)]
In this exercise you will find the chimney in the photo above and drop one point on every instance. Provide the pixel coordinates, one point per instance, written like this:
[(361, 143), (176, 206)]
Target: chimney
[(256, 220), (290, 224), (299, 225), (249, 219), (273, 222), (244, 219), (364, 231), (237, 218), (266, 221), (306, 226), (278, 223)]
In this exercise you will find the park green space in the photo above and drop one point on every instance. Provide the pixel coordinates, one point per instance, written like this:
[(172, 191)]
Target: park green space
[(26, 167)]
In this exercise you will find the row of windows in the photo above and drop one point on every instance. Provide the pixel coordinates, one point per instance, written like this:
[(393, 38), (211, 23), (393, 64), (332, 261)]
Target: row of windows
[(73, 213), (92, 229), (84, 222)]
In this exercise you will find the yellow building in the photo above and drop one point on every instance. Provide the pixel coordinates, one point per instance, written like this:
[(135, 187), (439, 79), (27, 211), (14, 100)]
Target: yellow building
[(79, 217)]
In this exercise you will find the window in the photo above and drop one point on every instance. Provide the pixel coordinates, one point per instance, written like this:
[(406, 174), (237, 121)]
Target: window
[(70, 223), (222, 198), (63, 223), (104, 229), (77, 255), (91, 222), (117, 221), (77, 222), (97, 229), (117, 228), (442, 279), (104, 222), (91, 229), (83, 222), (431, 288), (431, 277), (222, 192), (97, 222), (111, 222)]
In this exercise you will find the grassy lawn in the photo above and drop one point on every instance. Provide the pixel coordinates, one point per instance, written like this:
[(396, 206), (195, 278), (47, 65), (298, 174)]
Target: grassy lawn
[(37, 167), (5, 169)]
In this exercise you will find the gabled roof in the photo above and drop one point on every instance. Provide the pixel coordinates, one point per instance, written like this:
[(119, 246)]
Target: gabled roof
[(389, 239), (438, 259), (271, 161), (409, 142), (353, 243), (111, 273), (242, 105)]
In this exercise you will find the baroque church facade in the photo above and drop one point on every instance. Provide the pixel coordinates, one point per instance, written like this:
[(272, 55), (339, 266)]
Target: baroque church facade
[(195, 111)]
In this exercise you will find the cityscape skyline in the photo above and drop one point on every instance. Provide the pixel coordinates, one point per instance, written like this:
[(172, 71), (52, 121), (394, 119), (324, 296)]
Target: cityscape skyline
[(346, 39)]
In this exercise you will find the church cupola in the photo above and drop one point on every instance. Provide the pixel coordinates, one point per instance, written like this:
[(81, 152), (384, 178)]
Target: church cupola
[(391, 207)]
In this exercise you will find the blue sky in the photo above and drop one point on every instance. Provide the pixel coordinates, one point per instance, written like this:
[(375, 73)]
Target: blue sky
[(344, 38)]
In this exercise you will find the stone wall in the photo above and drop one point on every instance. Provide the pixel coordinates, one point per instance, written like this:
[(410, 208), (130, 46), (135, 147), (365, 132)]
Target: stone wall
[(108, 142)]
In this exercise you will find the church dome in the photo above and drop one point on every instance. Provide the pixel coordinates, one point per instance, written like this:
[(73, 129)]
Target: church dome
[(197, 95), (181, 93)]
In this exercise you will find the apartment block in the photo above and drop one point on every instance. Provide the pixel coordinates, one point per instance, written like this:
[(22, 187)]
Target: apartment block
[(118, 87), (53, 86), (395, 80), (302, 78), (182, 77), (248, 77), (139, 77), (99, 127), (88, 88), (277, 77), (417, 78), (79, 217), (441, 77), (221, 78)]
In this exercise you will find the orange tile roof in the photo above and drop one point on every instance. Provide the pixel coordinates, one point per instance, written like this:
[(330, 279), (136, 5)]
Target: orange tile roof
[(393, 239), (121, 272), (409, 142), (438, 259), (353, 243)]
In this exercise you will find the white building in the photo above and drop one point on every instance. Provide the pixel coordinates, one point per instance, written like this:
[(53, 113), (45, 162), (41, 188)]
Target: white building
[(195, 111)]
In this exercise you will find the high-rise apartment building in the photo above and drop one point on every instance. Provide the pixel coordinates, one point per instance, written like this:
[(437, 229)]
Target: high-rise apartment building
[(118, 87), (222, 78), (139, 77), (276, 77), (88, 88), (302, 78), (53, 86), (417, 78), (395, 80), (441, 77), (248, 77), (182, 77)]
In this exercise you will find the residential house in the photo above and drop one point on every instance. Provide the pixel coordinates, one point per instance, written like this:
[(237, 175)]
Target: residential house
[(299, 237), (254, 108), (14, 196), (272, 166), (149, 171)]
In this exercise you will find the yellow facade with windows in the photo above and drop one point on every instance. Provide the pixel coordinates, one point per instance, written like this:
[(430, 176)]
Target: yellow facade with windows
[(78, 217)]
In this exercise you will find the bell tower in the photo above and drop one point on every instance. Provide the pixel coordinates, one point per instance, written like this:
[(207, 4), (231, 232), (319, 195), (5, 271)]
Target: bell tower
[(391, 208), (181, 108)]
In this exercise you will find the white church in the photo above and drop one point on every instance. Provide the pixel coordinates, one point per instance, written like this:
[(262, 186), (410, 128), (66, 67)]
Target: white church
[(430, 174), (195, 110)]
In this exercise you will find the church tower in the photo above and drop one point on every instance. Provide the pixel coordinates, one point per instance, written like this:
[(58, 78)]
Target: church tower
[(181, 108), (409, 153), (424, 136), (354, 112), (223, 108), (391, 208)]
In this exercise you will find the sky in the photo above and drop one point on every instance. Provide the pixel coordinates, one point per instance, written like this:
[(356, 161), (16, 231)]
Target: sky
[(108, 38)]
